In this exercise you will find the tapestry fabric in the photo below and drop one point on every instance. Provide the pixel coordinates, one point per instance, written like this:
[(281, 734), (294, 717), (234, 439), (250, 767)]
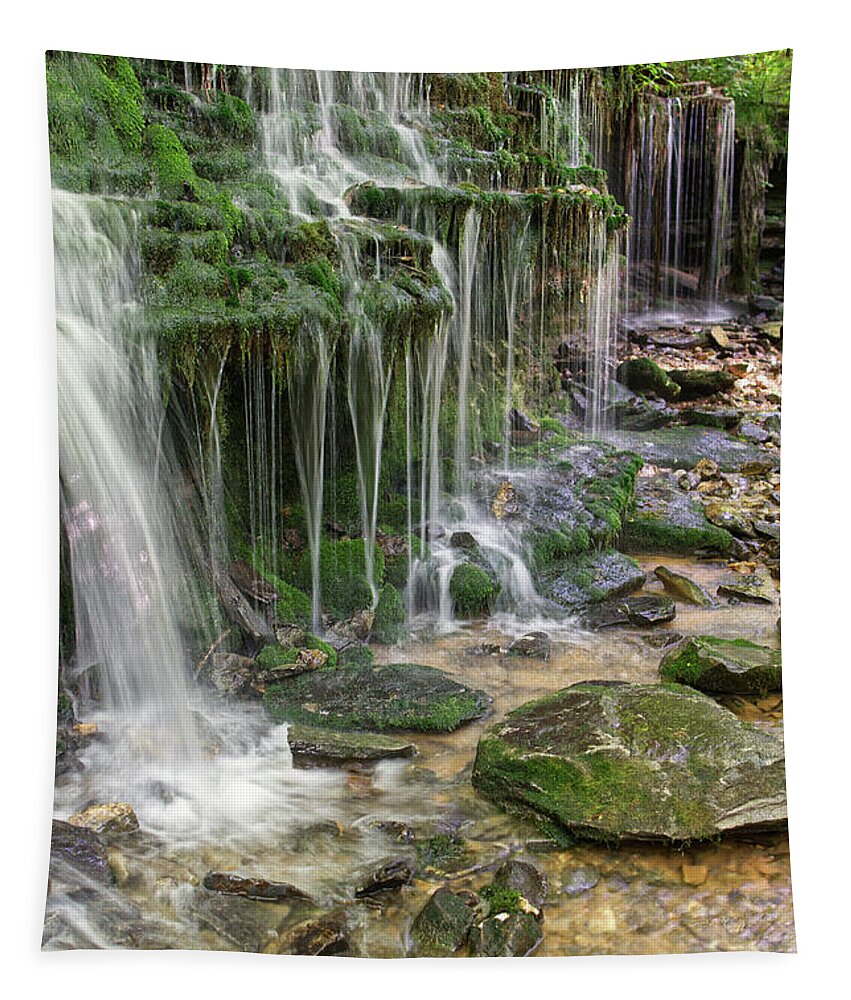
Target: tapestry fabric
[(420, 512)]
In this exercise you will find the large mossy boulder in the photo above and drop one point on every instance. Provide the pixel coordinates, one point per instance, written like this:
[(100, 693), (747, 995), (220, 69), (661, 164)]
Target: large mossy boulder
[(734, 666), (398, 696), (343, 582), (643, 375), (441, 927), (618, 762), (313, 746)]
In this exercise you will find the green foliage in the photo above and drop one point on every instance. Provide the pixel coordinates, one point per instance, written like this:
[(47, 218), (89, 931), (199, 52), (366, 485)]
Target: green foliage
[(276, 656), (389, 624), (342, 576), (172, 166), (500, 899)]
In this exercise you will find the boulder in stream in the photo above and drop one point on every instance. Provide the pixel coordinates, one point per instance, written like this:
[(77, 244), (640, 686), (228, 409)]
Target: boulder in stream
[(395, 696), (619, 762), (682, 588), (534, 645), (312, 746), (732, 666), (106, 817), (441, 927), (589, 579), (640, 612)]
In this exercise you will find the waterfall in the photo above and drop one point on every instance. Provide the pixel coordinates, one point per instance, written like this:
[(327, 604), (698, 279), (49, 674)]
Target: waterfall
[(463, 342), (132, 540)]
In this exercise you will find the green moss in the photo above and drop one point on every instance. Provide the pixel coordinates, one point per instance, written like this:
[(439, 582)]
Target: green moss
[(293, 607), (644, 375), (709, 663), (313, 642), (172, 166), (473, 590), (442, 854), (342, 576), (355, 655), (500, 899), (276, 656), (653, 534), (389, 624)]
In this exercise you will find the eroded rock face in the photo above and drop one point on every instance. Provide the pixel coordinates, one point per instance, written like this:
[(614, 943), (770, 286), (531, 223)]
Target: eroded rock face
[(395, 696), (633, 762), (733, 666)]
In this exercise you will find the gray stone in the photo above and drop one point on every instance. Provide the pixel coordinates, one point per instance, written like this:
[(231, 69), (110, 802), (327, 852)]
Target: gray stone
[(315, 747), (733, 666)]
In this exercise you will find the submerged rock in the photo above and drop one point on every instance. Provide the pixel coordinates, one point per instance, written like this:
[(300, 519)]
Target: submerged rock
[(511, 935), (733, 666), (391, 874), (581, 880), (252, 888), (682, 588), (535, 645), (82, 848), (441, 927), (396, 696), (106, 817), (633, 762), (314, 747), (319, 936), (636, 611)]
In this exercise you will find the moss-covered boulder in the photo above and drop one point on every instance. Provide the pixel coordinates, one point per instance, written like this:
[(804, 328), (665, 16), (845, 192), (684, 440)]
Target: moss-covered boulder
[(695, 383), (591, 578), (668, 519), (511, 935), (312, 746), (617, 762), (473, 590), (441, 927), (389, 623), (644, 375), (733, 666), (343, 583), (396, 696)]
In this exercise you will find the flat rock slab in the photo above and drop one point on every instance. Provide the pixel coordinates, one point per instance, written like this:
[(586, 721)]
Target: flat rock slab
[(733, 666), (681, 588), (398, 696), (752, 588), (592, 578), (668, 519), (640, 612), (312, 746), (252, 888), (683, 447), (619, 762)]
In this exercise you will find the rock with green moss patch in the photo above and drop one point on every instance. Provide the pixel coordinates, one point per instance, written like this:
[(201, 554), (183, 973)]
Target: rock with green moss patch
[(312, 746), (695, 383), (441, 855), (644, 375), (668, 519), (681, 447), (525, 879), (733, 666), (398, 696), (441, 927), (753, 588), (512, 935), (618, 762), (343, 582), (473, 590), (591, 578)]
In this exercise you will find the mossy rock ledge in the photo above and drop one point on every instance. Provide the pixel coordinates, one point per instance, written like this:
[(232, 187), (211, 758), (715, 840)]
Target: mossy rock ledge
[(732, 666), (398, 696), (621, 762)]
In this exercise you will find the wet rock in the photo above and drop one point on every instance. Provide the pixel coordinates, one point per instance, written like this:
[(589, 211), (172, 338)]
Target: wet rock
[(320, 936), (359, 626), (463, 540), (251, 583), (764, 304), (80, 847), (230, 674), (682, 588), (591, 578), (682, 447), (535, 645), (252, 888), (639, 612), (507, 935), (523, 878), (242, 923), (753, 588), (106, 817), (753, 432), (505, 502), (718, 336), (633, 762), (396, 696), (769, 529), (773, 331), (523, 431), (442, 854), (696, 383), (581, 880), (625, 409), (441, 927), (733, 666), (314, 747), (391, 874), (644, 375), (473, 590)]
